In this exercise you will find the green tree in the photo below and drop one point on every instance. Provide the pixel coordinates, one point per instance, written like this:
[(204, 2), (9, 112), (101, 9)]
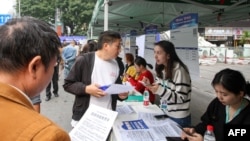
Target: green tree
[(245, 37), (74, 13), (42, 9)]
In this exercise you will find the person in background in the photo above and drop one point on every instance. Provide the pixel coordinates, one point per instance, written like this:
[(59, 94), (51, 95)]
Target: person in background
[(28, 54), (85, 49), (142, 72), (173, 84), (77, 47), (92, 45), (121, 69), (93, 70), (36, 101), (54, 82), (61, 64), (130, 70), (64, 42), (69, 55), (230, 107)]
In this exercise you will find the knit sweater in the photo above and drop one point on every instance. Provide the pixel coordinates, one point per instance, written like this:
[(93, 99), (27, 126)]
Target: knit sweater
[(177, 92)]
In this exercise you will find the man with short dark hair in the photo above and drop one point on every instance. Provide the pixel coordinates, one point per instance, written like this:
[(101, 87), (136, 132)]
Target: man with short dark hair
[(92, 70), (28, 54)]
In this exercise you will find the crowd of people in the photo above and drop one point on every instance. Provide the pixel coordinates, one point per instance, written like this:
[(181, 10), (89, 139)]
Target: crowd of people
[(32, 58)]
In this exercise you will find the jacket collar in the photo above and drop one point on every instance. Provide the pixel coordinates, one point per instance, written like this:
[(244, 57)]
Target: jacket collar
[(12, 94)]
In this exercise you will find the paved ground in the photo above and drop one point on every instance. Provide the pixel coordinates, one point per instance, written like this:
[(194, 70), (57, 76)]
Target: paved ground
[(59, 109)]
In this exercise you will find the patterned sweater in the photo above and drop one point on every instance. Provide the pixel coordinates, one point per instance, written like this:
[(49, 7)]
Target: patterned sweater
[(177, 92)]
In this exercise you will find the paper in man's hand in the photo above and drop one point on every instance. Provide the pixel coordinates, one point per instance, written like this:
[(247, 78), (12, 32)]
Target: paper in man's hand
[(118, 88)]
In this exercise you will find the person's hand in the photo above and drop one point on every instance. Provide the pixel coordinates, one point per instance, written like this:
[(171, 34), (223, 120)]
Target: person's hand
[(153, 88), (123, 95), (187, 133), (195, 137), (126, 76), (146, 81), (94, 90), (121, 77)]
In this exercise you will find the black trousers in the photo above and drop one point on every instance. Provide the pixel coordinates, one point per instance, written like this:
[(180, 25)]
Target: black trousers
[(54, 82)]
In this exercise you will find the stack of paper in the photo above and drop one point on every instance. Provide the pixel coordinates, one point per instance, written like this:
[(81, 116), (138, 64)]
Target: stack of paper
[(95, 125)]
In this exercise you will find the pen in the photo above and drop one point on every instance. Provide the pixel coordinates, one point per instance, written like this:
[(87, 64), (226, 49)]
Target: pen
[(104, 87)]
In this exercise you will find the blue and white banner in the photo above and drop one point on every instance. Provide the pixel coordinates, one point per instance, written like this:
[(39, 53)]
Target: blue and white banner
[(151, 29), (187, 20), (71, 38)]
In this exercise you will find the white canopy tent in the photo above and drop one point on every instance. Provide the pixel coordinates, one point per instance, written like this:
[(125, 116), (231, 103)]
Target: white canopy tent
[(126, 15)]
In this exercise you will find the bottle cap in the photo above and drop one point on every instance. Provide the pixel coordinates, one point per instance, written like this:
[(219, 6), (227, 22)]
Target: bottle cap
[(210, 127)]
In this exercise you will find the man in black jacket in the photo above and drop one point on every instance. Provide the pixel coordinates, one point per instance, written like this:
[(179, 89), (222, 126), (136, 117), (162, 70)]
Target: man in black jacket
[(93, 70)]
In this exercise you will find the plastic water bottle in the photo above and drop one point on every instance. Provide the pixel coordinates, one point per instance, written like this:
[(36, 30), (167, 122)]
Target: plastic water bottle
[(163, 105), (146, 98), (209, 134)]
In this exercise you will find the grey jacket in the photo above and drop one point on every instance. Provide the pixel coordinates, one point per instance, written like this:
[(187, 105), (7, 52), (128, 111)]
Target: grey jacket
[(77, 80)]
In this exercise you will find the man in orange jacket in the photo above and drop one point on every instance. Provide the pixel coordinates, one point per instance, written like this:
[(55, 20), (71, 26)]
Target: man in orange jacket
[(28, 54)]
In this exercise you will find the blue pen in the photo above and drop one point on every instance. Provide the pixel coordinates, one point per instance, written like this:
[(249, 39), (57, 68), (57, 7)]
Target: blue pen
[(104, 87)]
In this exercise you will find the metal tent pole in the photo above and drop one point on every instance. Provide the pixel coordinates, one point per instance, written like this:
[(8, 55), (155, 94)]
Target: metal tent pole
[(106, 10)]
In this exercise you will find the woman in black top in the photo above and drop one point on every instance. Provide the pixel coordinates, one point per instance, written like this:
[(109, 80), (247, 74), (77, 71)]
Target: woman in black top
[(230, 107)]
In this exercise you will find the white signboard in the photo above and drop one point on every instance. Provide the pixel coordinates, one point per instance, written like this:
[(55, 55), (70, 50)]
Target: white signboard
[(184, 35), (150, 39)]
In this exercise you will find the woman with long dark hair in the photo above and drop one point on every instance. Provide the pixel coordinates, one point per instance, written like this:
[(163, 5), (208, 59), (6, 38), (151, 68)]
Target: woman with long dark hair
[(173, 84)]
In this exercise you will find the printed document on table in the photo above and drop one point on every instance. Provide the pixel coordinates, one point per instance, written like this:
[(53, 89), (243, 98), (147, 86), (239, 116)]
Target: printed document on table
[(151, 120), (157, 130), (118, 88), (124, 109), (164, 127), (134, 125), (153, 133), (95, 124), (137, 135)]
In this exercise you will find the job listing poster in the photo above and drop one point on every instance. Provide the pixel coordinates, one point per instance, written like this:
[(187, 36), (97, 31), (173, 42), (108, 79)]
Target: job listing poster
[(184, 35)]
